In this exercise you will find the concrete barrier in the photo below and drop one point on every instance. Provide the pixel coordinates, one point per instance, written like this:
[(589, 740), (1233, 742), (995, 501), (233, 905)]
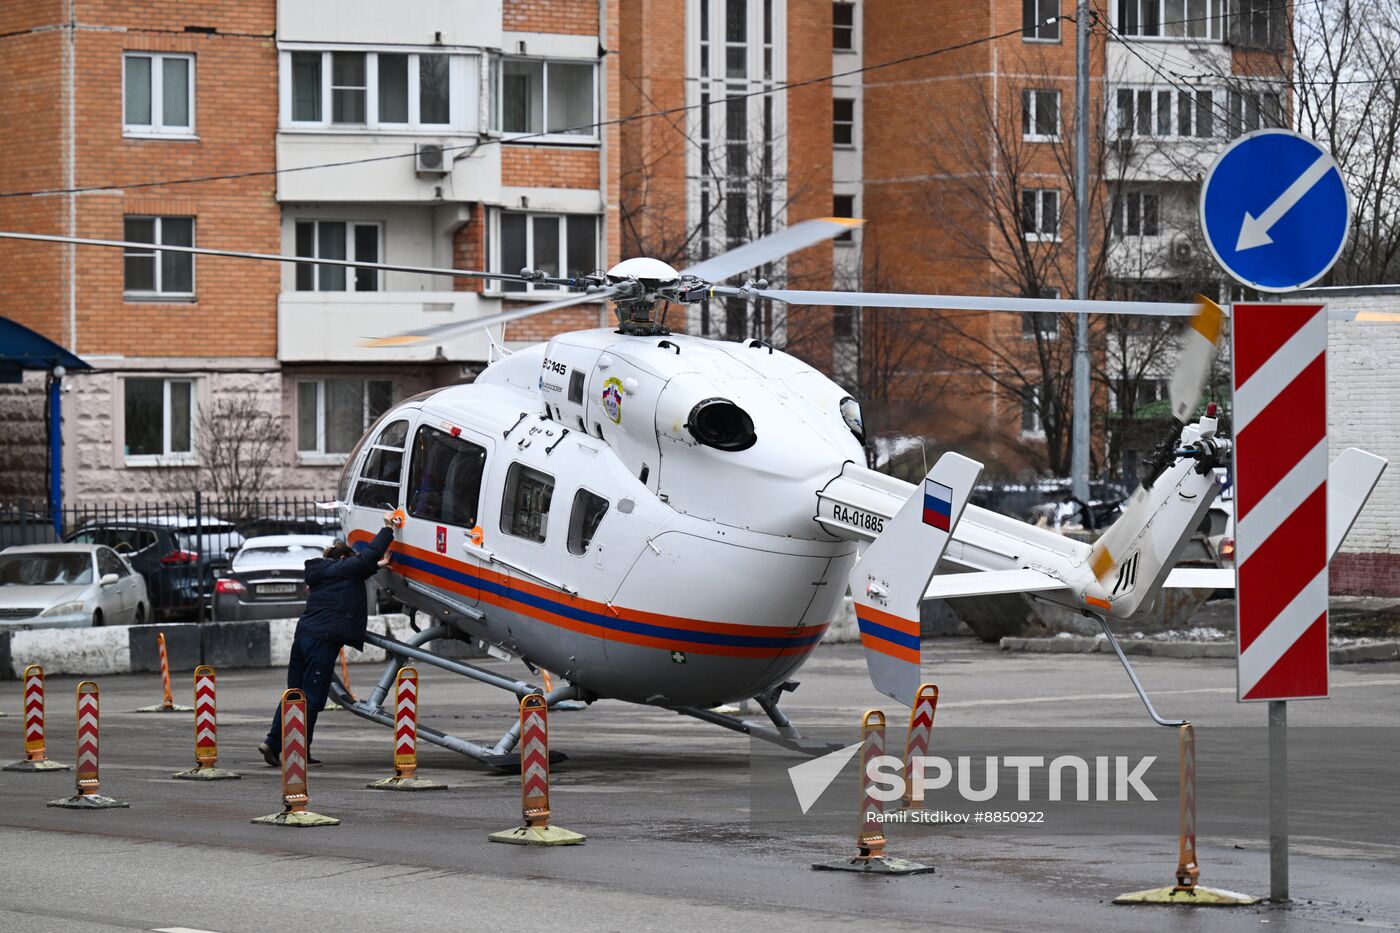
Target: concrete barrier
[(124, 649)]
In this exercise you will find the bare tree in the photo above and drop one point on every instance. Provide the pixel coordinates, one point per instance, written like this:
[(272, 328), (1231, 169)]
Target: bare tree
[(238, 444)]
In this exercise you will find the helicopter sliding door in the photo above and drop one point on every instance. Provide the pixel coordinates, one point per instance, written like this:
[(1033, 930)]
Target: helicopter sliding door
[(443, 501)]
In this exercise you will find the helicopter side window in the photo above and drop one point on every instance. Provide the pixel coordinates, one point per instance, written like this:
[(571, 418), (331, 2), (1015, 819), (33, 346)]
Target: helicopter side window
[(525, 506), (378, 487), (588, 512), (444, 483)]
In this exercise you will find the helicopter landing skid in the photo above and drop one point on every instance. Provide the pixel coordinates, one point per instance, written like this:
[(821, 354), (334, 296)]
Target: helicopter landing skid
[(500, 755), (782, 732), (1137, 684)]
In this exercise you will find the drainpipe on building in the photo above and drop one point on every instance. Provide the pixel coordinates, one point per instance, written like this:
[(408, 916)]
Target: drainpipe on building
[(53, 419)]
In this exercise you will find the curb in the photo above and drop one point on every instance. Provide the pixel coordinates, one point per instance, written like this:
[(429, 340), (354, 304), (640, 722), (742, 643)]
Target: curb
[(127, 649), (1146, 647)]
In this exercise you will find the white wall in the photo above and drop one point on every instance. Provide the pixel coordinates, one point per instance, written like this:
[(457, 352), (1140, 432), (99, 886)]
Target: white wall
[(461, 22)]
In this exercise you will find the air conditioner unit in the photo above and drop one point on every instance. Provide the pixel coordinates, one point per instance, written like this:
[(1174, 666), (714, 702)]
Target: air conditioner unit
[(431, 159), (1183, 250)]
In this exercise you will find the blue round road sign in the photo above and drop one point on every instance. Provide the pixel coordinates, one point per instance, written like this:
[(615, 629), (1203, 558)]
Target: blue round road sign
[(1275, 211)]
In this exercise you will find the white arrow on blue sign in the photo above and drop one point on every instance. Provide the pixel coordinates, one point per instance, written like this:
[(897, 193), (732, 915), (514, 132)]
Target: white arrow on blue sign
[(1275, 210)]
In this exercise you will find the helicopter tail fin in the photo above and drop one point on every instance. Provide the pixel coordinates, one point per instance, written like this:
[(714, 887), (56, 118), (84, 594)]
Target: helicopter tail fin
[(890, 578)]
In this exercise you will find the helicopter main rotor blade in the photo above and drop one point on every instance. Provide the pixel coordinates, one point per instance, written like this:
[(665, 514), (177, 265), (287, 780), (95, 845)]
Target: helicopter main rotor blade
[(1193, 363), (772, 247), (425, 334), (266, 257), (961, 302)]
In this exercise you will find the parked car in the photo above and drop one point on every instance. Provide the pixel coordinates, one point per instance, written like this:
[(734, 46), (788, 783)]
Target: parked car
[(178, 557), (25, 527), (265, 578), (326, 523), (69, 586)]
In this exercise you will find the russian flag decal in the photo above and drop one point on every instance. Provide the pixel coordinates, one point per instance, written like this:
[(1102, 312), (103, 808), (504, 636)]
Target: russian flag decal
[(938, 505)]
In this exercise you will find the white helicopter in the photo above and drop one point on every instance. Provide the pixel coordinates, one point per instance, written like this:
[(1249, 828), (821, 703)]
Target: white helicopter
[(674, 521)]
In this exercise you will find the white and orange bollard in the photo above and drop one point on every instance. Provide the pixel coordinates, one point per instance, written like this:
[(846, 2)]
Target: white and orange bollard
[(917, 740), (167, 703), (406, 700), (206, 731), (88, 796), (534, 782), (344, 682), (294, 795), (1186, 890), (35, 754), (870, 857)]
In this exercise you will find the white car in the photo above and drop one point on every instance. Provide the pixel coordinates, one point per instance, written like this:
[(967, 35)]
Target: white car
[(69, 586)]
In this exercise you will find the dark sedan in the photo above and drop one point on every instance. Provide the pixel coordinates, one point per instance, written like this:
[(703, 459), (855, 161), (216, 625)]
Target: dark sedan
[(265, 578)]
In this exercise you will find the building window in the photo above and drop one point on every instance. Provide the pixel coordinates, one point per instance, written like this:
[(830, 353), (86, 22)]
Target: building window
[(156, 273), (1172, 19), (1258, 24), (1031, 423), (337, 239), (1162, 112), (332, 414), (380, 90), (843, 27), (1139, 215), (557, 244), (587, 515), (1040, 114), (444, 482), (159, 420), (525, 504), (1040, 213), (843, 121), (843, 205), (553, 98), (1044, 323), (1251, 110), (158, 94), (1037, 17)]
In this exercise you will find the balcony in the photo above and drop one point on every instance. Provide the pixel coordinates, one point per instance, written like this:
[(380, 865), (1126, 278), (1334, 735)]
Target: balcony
[(447, 23), (321, 327), (394, 180)]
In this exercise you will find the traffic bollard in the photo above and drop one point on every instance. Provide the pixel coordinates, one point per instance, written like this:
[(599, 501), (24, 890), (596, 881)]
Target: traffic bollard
[(35, 754), (206, 731), (917, 740), (167, 703), (88, 796), (534, 783), (294, 795), (406, 699)]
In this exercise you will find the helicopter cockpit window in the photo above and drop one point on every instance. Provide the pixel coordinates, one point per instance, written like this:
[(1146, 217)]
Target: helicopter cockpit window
[(378, 487), (525, 506), (444, 482), (583, 521)]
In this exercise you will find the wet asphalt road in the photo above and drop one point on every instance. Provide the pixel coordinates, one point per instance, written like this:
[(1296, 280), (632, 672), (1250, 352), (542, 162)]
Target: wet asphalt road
[(663, 801)]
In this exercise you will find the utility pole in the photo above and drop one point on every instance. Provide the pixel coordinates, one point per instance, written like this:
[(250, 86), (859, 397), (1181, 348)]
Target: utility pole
[(1079, 451)]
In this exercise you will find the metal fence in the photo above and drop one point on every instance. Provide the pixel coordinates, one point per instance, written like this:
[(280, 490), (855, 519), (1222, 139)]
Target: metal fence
[(179, 546)]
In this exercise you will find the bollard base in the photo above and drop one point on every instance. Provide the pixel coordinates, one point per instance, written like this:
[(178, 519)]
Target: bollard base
[(207, 774), (568, 706), (174, 708), (406, 783), (1199, 896), (301, 818), (538, 836), (330, 706), (89, 802), (44, 765), (875, 866)]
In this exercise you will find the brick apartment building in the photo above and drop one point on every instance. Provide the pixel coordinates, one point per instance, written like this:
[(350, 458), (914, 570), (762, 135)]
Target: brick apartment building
[(113, 98)]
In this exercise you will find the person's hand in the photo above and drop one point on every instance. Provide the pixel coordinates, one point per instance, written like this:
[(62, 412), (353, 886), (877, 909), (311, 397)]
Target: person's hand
[(384, 561), (389, 520)]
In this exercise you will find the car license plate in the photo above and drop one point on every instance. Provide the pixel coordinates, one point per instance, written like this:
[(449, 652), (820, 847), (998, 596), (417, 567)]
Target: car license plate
[(276, 589)]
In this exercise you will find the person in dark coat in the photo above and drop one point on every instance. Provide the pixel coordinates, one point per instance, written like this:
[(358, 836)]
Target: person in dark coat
[(336, 614)]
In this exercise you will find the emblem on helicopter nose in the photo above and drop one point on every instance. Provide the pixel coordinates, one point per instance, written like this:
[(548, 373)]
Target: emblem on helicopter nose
[(612, 399)]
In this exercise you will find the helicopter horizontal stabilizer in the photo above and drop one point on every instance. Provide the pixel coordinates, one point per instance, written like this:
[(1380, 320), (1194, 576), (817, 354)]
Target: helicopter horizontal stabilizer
[(991, 582), (889, 580)]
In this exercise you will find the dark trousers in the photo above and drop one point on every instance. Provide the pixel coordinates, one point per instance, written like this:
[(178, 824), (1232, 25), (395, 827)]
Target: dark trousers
[(312, 662)]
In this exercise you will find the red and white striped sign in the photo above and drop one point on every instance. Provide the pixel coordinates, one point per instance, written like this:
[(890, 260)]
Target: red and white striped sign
[(206, 721), (406, 722), (920, 734), (34, 713), (1280, 418), (294, 749), (87, 738), (534, 760), (870, 841)]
